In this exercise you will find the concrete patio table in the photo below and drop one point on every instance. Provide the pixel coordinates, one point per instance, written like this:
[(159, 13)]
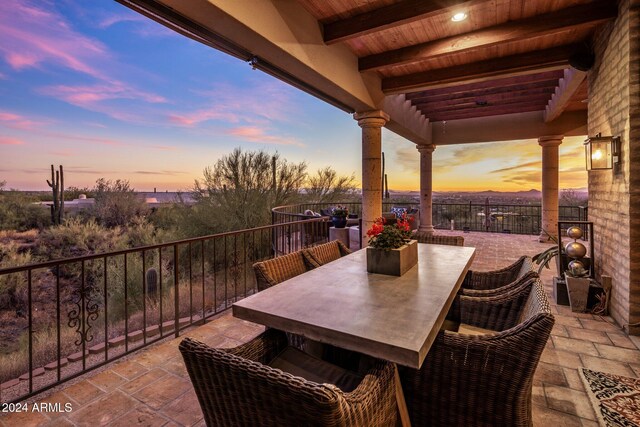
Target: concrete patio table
[(388, 317)]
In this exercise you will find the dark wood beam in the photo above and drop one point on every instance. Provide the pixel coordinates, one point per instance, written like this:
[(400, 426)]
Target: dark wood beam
[(582, 16), (470, 114), (538, 100), (546, 86), (498, 99), (524, 63), (491, 84), (391, 16)]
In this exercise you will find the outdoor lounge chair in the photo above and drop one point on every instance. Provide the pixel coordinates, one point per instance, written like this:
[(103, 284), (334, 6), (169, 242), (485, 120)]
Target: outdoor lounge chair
[(262, 383), (271, 272), (439, 239), (498, 278), (327, 252), (482, 374)]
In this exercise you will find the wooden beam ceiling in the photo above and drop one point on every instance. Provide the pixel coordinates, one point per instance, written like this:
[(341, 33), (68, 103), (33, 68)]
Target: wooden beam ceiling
[(548, 77), (485, 112), (525, 63), (547, 86), (390, 16), (502, 98), (582, 16)]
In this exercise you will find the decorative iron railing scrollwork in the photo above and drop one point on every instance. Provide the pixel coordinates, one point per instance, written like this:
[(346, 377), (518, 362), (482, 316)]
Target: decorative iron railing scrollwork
[(81, 318)]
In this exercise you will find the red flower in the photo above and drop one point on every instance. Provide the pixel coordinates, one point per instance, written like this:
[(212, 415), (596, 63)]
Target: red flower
[(375, 229)]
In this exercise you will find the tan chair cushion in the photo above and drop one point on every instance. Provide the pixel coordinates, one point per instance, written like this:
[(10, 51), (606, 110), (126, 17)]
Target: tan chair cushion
[(450, 325), (463, 328), (311, 368), (474, 330)]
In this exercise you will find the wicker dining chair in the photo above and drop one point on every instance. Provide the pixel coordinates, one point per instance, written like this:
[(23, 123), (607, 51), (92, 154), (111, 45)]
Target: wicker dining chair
[(438, 239), (498, 278), (482, 374), (237, 387), (271, 272), (327, 252), (527, 278)]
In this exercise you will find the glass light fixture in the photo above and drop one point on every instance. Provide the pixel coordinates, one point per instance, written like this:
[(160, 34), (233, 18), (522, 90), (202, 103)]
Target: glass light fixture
[(460, 16), (601, 152)]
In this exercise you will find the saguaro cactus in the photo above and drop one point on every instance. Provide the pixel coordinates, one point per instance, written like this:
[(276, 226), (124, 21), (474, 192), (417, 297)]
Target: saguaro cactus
[(152, 282), (57, 187)]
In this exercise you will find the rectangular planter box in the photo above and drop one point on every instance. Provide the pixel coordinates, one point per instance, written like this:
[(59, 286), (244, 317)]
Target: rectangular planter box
[(394, 262), (578, 290)]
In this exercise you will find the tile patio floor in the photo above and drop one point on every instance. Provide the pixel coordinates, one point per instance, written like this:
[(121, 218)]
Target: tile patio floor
[(152, 388)]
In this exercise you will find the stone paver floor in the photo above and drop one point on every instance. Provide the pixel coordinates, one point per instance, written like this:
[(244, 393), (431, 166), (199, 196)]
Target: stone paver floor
[(152, 388)]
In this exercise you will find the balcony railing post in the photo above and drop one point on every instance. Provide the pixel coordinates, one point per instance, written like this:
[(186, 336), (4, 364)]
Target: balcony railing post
[(176, 284)]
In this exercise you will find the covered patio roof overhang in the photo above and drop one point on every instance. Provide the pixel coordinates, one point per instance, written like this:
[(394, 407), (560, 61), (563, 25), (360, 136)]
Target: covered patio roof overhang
[(513, 69)]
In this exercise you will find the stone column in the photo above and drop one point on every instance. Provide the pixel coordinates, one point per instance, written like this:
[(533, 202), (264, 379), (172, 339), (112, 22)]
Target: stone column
[(371, 123), (426, 188), (550, 156)]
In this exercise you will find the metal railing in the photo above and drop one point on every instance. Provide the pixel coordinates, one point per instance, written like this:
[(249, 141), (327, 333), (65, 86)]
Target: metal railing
[(499, 218), (493, 218), (81, 313)]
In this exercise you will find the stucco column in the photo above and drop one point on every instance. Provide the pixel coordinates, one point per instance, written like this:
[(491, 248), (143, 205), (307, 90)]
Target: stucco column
[(426, 188), (550, 157), (371, 123)]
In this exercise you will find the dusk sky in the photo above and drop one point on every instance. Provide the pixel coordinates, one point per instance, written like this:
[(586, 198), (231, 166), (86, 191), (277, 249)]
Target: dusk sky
[(109, 93)]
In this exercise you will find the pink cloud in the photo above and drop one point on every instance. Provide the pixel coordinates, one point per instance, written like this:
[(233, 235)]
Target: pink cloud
[(96, 98), (16, 121), (197, 117), (5, 140), (258, 135), (256, 104), (85, 96), (35, 36), (28, 33)]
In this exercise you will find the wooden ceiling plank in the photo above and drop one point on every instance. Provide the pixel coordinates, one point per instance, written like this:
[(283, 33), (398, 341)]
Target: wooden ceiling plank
[(494, 98), (391, 16), (491, 84), (546, 86), (484, 113), (540, 100), (567, 87), (586, 15), (525, 63)]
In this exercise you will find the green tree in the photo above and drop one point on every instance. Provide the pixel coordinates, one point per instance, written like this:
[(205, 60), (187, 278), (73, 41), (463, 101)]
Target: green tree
[(241, 188), (327, 187), (116, 203)]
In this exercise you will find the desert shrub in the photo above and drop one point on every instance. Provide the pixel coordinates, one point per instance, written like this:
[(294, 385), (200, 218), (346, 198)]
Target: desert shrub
[(78, 237), (13, 287), (116, 203), (18, 212)]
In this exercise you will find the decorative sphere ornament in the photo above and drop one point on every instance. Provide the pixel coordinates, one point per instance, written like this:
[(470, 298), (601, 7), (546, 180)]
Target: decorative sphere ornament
[(574, 232), (575, 250), (576, 265)]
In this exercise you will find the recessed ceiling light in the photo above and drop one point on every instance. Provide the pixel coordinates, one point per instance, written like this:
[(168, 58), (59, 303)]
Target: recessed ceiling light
[(460, 16)]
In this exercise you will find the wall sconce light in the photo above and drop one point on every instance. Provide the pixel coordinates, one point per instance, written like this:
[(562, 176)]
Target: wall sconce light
[(602, 152)]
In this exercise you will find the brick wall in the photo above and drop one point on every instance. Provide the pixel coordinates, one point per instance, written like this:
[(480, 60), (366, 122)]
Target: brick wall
[(614, 196)]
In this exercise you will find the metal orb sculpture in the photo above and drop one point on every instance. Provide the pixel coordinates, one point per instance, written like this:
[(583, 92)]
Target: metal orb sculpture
[(575, 250), (574, 232), (576, 265)]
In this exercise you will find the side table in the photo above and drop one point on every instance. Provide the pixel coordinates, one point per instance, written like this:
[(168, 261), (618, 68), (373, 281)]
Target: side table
[(341, 234)]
